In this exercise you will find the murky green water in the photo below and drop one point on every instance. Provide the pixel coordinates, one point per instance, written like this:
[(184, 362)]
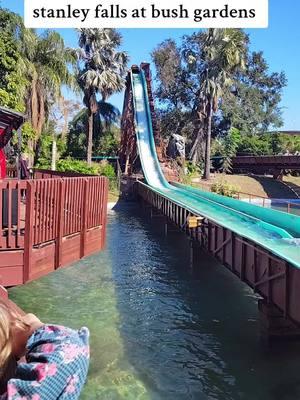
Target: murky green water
[(158, 330)]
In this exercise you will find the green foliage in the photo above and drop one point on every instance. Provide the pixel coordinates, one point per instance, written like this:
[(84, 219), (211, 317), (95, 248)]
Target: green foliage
[(12, 81), (193, 170), (190, 171), (82, 167), (33, 67), (252, 105), (101, 70), (248, 97), (106, 169), (109, 143), (227, 148), (257, 145), (225, 189), (28, 135), (289, 143), (106, 133), (71, 165), (45, 144)]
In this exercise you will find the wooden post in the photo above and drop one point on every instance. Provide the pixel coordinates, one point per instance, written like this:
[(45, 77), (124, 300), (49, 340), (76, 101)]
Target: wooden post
[(191, 253), (104, 215), (28, 239), (60, 224), (166, 227), (84, 218)]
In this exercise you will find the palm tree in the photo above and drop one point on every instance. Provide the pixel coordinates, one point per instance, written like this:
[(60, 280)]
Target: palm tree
[(223, 54), (106, 117), (101, 70), (46, 61)]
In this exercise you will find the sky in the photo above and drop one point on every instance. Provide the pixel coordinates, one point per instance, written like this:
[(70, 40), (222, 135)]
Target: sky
[(280, 44)]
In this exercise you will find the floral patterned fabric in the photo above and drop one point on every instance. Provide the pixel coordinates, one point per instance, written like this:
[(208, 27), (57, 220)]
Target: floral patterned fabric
[(57, 364)]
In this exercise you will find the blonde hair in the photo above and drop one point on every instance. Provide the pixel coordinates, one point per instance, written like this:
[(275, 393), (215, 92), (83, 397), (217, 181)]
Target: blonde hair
[(8, 318)]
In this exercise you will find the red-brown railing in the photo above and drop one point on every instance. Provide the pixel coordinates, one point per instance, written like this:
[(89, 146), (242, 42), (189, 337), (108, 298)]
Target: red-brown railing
[(12, 214), (68, 214), (62, 206), (11, 172), (47, 174)]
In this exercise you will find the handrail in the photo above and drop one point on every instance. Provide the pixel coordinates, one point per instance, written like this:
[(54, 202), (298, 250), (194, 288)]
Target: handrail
[(289, 204)]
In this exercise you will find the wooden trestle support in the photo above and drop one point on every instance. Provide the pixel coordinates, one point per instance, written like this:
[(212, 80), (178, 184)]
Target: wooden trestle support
[(275, 280)]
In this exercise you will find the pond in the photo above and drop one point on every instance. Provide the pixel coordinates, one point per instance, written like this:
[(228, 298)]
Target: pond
[(160, 330)]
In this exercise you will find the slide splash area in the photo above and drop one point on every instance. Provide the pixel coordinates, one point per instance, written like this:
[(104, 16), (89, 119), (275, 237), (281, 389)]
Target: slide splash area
[(276, 231)]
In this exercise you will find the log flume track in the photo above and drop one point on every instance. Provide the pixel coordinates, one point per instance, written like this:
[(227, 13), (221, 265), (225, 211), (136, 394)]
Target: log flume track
[(273, 230)]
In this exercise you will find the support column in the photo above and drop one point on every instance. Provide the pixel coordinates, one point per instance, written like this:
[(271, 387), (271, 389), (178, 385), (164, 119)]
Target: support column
[(273, 324)]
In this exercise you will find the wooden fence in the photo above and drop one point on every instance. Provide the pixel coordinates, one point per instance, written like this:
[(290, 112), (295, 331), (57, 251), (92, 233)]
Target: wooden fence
[(49, 223)]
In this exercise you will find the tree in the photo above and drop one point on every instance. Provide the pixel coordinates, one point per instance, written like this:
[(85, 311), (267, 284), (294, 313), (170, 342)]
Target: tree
[(12, 82), (252, 105), (61, 113), (105, 131), (101, 71), (32, 70), (48, 64), (223, 52), (247, 96), (227, 148)]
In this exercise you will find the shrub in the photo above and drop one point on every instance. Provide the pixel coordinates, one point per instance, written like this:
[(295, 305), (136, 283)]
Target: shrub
[(225, 189), (82, 167)]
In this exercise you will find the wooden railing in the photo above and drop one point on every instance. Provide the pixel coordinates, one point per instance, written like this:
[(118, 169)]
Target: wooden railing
[(52, 222), (291, 207), (48, 173), (12, 214), (11, 172)]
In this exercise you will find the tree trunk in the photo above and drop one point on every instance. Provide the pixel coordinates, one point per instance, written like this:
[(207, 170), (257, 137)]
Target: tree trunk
[(90, 138), (54, 153), (34, 104), (208, 142), (194, 153), (41, 114)]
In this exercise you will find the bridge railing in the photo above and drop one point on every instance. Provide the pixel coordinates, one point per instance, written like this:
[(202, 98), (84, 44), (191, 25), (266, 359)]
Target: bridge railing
[(289, 206)]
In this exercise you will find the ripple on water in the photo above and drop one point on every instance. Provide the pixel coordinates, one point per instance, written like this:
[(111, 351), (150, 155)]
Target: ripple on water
[(158, 331)]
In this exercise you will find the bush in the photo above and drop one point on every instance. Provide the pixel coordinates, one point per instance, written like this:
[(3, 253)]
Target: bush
[(71, 165), (225, 189), (82, 167)]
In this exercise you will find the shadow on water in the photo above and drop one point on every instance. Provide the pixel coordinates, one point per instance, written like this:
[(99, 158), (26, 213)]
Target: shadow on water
[(190, 334), (158, 330)]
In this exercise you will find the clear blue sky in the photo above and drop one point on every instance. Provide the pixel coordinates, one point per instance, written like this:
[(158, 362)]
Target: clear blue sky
[(280, 44)]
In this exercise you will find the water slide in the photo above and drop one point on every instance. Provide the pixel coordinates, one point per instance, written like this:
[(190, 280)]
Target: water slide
[(273, 230)]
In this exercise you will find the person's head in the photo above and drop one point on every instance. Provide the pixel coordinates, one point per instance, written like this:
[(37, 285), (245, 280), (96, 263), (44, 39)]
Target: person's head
[(13, 334)]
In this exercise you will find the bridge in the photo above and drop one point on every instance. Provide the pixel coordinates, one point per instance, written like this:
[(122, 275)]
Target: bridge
[(260, 246), (274, 165)]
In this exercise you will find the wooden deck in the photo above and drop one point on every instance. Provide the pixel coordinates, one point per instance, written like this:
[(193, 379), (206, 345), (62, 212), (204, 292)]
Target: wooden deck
[(49, 223)]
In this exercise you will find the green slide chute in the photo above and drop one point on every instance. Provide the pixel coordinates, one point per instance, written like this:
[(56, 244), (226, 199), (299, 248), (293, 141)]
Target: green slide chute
[(272, 230)]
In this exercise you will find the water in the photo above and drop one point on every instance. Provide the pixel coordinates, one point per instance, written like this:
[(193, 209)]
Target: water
[(160, 331)]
